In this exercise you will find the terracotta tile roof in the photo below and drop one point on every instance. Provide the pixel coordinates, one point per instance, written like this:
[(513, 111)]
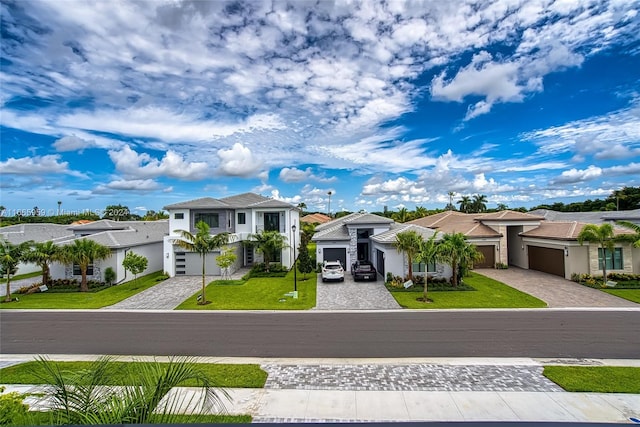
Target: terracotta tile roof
[(564, 230), (456, 222), (508, 215), (316, 218)]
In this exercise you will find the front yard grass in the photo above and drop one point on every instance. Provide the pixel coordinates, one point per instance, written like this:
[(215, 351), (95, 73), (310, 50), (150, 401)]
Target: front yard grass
[(628, 294), (595, 379), (488, 293), (87, 300), (221, 375), (258, 293), (47, 419)]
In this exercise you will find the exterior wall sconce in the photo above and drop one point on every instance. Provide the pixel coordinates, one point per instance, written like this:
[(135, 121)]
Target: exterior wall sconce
[(566, 251), (167, 255)]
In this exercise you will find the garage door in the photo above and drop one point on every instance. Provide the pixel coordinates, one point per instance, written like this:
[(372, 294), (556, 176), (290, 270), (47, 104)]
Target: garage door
[(335, 254), (489, 257), (190, 264), (546, 260)]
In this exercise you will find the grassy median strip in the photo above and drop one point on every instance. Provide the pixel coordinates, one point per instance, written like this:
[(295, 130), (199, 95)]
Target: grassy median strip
[(86, 300), (595, 379), (488, 293), (221, 375), (47, 419), (258, 293)]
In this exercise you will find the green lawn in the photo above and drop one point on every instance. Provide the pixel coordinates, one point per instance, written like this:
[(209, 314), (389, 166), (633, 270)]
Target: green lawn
[(45, 419), (221, 375), (88, 300), (628, 294), (259, 293), (488, 293), (595, 379)]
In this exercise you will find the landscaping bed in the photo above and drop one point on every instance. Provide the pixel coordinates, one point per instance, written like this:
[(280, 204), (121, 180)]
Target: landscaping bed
[(626, 286)]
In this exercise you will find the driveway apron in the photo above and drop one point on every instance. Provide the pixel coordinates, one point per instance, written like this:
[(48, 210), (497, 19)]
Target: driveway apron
[(554, 290), (351, 295)]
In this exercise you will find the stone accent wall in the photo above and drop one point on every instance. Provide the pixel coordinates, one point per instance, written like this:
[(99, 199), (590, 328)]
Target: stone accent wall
[(353, 247), (503, 254)]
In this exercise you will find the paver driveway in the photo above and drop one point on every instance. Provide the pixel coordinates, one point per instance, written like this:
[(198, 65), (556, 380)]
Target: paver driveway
[(351, 295), (554, 290)]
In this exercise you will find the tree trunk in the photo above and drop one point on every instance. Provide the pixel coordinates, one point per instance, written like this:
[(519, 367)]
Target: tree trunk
[(426, 276), (45, 274), (410, 267), (7, 298), (204, 297), (604, 265), (83, 282), (454, 278)]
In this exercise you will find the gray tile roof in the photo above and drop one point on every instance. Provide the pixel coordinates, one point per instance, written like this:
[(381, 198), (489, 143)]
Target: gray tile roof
[(20, 233), (135, 234), (390, 236), (240, 201), (356, 218), (588, 217)]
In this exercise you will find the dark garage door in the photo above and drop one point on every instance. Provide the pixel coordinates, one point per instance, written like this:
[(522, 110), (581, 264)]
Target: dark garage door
[(489, 257), (336, 254), (546, 260)]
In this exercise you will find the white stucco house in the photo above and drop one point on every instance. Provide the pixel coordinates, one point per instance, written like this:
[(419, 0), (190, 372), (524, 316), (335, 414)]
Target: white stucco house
[(240, 216)]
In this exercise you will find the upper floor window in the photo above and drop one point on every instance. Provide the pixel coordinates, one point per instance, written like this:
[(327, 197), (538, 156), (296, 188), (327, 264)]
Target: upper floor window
[(211, 219), (178, 215), (242, 218), (272, 221), (613, 260)]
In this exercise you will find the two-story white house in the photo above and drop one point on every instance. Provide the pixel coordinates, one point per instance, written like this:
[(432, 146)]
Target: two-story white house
[(240, 216)]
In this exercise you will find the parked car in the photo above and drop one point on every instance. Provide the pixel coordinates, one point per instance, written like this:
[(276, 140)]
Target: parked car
[(332, 270), (363, 270)]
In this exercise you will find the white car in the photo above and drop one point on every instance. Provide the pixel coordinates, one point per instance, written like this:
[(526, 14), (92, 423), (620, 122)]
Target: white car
[(332, 270)]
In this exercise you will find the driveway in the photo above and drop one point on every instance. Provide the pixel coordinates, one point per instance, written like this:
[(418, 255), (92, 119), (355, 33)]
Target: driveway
[(554, 290), (351, 295)]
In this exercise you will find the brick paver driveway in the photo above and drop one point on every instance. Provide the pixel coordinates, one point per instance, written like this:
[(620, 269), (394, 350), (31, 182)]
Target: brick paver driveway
[(554, 290), (351, 295)]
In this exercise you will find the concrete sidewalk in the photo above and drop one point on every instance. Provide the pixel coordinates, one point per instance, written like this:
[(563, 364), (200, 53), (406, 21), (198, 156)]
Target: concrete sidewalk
[(367, 390)]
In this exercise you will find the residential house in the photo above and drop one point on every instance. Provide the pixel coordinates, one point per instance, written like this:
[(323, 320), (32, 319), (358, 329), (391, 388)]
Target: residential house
[(365, 236), (315, 218), (240, 216)]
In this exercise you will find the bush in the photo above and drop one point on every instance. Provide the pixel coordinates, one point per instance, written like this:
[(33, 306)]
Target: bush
[(12, 407), (624, 281), (502, 266), (275, 270), (109, 276)]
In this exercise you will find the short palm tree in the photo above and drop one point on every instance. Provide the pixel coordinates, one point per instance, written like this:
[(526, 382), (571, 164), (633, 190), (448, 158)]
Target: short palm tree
[(430, 251), (43, 254), (269, 243), (602, 235), (409, 242), (10, 256), (465, 204), (84, 252), (402, 215), (479, 203), (201, 243), (459, 253)]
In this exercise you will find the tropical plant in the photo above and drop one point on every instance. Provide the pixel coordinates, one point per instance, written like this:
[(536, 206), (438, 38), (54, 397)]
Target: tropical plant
[(450, 205), (84, 252), (81, 398), (13, 410), (479, 203), (269, 243), (201, 243), (43, 254), (308, 230), (601, 235), (109, 276), (465, 204), (420, 212), (225, 260), (305, 263), (633, 238), (10, 256), (459, 254), (135, 264), (408, 242), (430, 251)]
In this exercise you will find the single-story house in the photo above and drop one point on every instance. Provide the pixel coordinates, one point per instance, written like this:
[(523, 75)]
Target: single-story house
[(530, 241), (240, 216), (365, 236), (141, 237), (315, 218)]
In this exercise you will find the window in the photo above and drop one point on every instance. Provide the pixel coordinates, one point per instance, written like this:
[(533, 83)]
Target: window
[(242, 218), (77, 272), (211, 219), (418, 267), (613, 261), (178, 215), (272, 221)]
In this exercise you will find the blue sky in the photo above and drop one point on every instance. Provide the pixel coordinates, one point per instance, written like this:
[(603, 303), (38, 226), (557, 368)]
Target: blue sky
[(383, 104)]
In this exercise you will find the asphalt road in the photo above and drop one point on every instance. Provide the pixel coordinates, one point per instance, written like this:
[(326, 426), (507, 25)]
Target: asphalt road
[(536, 333)]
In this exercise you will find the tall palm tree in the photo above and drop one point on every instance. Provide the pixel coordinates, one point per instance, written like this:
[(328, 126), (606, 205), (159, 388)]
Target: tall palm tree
[(465, 204), (479, 203), (602, 235), (633, 238), (430, 251), (402, 215), (84, 252), (201, 243), (43, 254), (450, 205), (459, 253), (269, 243), (409, 243), (10, 256)]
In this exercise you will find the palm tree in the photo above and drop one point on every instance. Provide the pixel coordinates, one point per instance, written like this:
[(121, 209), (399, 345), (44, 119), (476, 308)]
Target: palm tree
[(269, 243), (409, 243), (633, 238), (479, 203), (10, 256), (601, 235), (84, 252), (43, 254), (420, 212), (402, 215), (201, 243), (465, 204), (430, 251), (459, 254), (450, 206)]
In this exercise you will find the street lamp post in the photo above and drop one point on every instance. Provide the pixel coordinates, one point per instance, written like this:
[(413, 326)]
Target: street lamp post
[(330, 193), (295, 264)]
